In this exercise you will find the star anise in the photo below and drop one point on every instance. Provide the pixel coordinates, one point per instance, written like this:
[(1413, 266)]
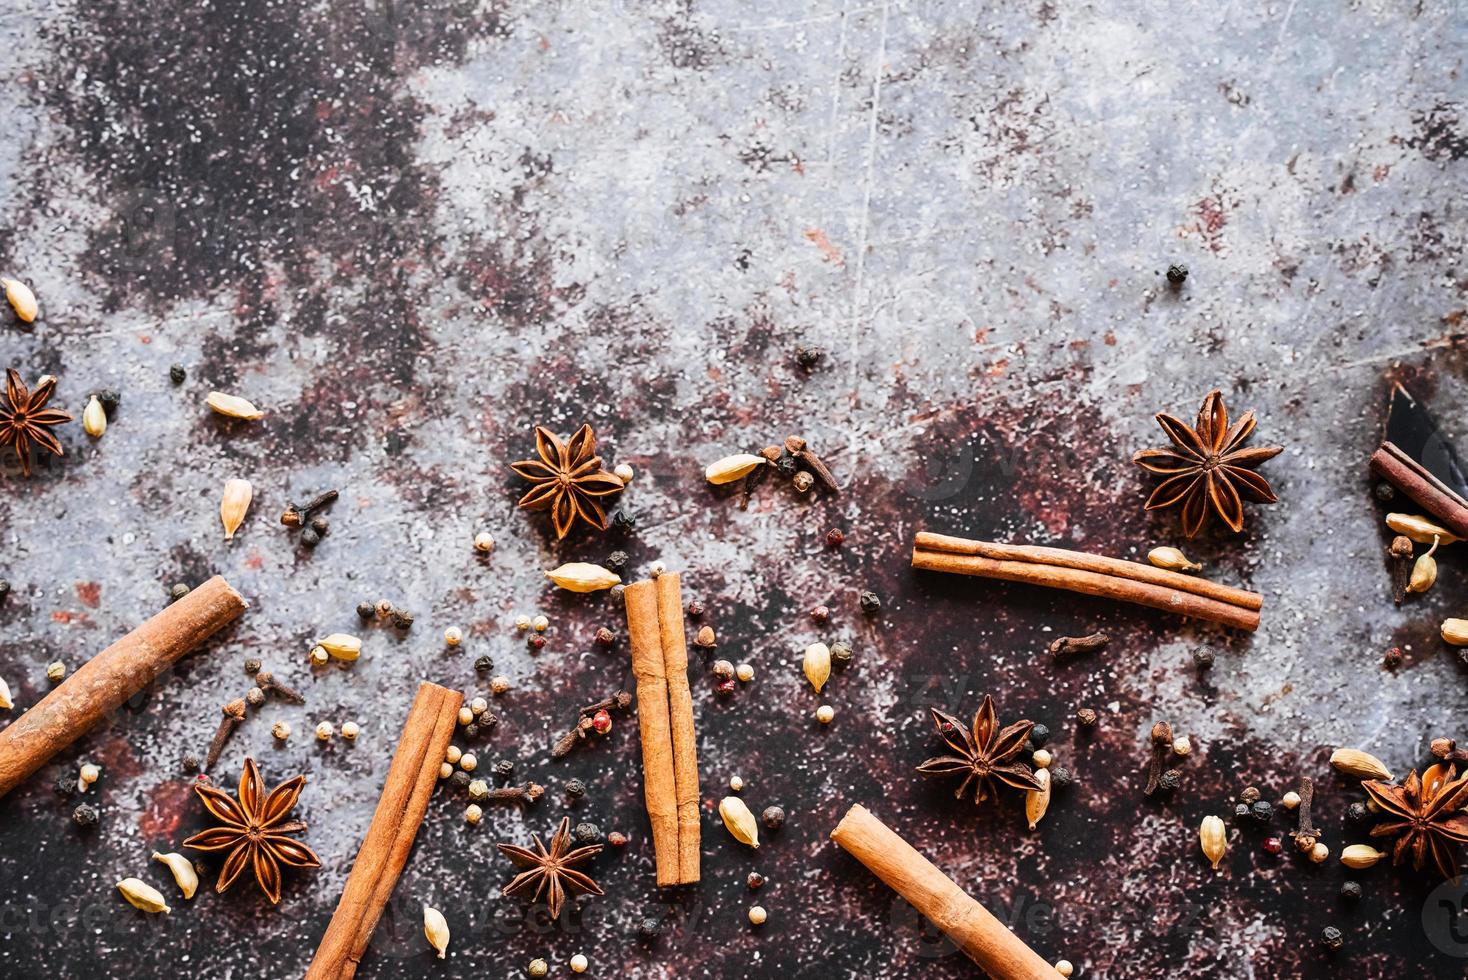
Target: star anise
[(549, 873), (568, 478), (1209, 468), (982, 755), (26, 420), (1425, 815), (253, 830)]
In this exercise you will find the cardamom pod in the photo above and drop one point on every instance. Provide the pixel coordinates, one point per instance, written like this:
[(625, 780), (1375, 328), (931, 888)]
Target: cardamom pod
[(5, 701), (817, 665), (183, 872), (581, 576), (1362, 765), (342, 646), (739, 820), (1172, 559), (1213, 836), (233, 406), (1419, 529), (94, 418), (732, 468), (1424, 571), (142, 895), (22, 300), (234, 504), (1455, 631), (1037, 801), (1360, 855), (436, 928)]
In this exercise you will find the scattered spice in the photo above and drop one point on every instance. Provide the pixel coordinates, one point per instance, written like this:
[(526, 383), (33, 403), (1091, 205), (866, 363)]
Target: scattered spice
[(1177, 274), (484, 542), (757, 915), (1305, 834), (568, 480), (142, 895), (1074, 646), (816, 665), (1424, 815), (1332, 938), (177, 374), (1213, 837), (436, 930), (773, 817), (835, 537), (22, 300), (1400, 556), (982, 756), (1360, 856), (184, 873), (705, 638), (797, 447), (1161, 750), (1420, 529), (739, 821), (234, 713), (580, 576), (1361, 765), (550, 873), (253, 831), (1208, 469), (1086, 717), (731, 468), (85, 815), (825, 714), (232, 406), (870, 603), (25, 421), (1172, 559), (809, 357)]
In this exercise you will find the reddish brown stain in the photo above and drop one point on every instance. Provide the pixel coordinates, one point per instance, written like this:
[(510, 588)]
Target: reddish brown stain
[(90, 593)]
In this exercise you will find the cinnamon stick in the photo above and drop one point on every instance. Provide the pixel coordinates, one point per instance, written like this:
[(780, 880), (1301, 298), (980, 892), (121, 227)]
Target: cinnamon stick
[(660, 792), (384, 851), (680, 711), (1109, 578), (981, 937), (104, 683), (1424, 489)]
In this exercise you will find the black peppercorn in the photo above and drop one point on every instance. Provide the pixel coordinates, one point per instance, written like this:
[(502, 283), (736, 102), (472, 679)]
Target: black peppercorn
[(575, 789), (616, 562), (587, 833), (1332, 937), (870, 603), (460, 779), (310, 537), (1250, 795), (504, 768), (1262, 811), (178, 591), (1241, 811), (809, 357), (110, 399), (1385, 492), (401, 618), (176, 374), (1039, 734), (623, 523), (1357, 813), (604, 637), (4, 588), (365, 610), (840, 656), (1392, 659), (483, 664), (1351, 891), (471, 730), (85, 815), (774, 817), (695, 609), (320, 525), (65, 785), (650, 929), (190, 763), (1060, 777), (1203, 659), (1169, 780), (1086, 716), (487, 722), (1177, 274)]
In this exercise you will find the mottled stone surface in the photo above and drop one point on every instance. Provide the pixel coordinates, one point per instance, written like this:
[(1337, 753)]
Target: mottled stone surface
[(411, 232)]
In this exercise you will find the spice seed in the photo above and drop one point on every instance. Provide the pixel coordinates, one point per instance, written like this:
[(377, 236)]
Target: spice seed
[(233, 406), (580, 576), (436, 929), (1172, 559), (739, 820), (94, 418), (22, 300), (732, 468), (1213, 837), (1362, 765), (142, 895), (1455, 631), (233, 505), (1360, 856), (1419, 529), (1037, 801), (816, 665), (183, 872)]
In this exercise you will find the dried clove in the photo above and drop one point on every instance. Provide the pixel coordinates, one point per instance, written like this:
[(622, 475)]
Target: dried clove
[(294, 516), (1161, 750), (1068, 646), (1306, 834), (267, 683), (1400, 554), (234, 713), (586, 724), (797, 448), (521, 795)]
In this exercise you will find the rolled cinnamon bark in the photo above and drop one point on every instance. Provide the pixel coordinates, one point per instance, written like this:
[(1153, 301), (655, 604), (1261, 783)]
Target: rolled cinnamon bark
[(680, 713), (1425, 490), (104, 683), (983, 938), (654, 722), (384, 851)]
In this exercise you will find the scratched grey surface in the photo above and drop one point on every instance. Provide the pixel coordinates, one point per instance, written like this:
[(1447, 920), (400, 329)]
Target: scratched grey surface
[(411, 233)]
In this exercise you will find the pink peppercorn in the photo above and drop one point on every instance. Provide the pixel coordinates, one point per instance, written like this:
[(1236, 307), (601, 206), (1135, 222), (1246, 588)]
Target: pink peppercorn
[(834, 537), (820, 613), (617, 839), (725, 687), (535, 641), (602, 721), (1273, 845)]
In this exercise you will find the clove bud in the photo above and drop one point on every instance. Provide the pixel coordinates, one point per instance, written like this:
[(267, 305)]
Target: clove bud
[(1400, 554)]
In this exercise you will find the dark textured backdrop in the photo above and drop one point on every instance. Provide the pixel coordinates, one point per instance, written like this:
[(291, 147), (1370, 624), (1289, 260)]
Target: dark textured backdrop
[(412, 231)]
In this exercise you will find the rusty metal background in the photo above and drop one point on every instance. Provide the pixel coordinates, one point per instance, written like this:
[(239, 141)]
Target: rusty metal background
[(412, 231)]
